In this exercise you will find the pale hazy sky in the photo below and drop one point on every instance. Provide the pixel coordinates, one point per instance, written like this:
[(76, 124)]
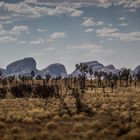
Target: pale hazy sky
[(70, 32)]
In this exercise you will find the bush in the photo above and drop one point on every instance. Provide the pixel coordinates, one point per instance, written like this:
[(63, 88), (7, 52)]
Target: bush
[(52, 125), (65, 117), (57, 118), (96, 125), (43, 115), (16, 129), (27, 120), (2, 93), (39, 136), (2, 125), (78, 127), (133, 135), (45, 91), (21, 90), (122, 131)]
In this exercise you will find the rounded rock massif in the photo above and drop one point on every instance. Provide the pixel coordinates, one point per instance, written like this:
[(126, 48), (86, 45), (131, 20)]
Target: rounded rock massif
[(137, 69), (55, 70), (21, 67), (110, 66), (2, 71)]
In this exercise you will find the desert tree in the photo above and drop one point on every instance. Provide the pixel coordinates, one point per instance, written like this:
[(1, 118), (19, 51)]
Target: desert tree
[(47, 78), (91, 73), (4, 82), (83, 68), (75, 81), (110, 78), (23, 79), (80, 105), (98, 75), (70, 80), (0, 76), (11, 79), (126, 75), (38, 77), (0, 73), (65, 82), (3, 92), (115, 78), (130, 80), (120, 77), (32, 75), (105, 77), (137, 76)]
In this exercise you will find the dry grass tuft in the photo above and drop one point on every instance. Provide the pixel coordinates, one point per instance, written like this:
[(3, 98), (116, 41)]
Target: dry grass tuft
[(78, 127), (52, 125), (133, 135), (2, 125), (96, 125)]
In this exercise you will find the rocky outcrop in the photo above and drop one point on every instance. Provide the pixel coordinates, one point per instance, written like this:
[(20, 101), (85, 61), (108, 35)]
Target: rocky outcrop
[(26, 65), (55, 70), (137, 69), (2, 71), (21, 67), (95, 65), (110, 66)]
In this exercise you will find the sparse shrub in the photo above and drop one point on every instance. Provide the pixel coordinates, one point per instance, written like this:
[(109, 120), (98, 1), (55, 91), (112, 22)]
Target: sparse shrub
[(104, 131), (27, 120), (78, 127), (21, 136), (2, 118), (78, 117), (81, 116), (138, 122), (45, 91), (37, 121), (124, 115), (90, 134), (17, 118), (57, 118), (40, 114), (63, 111), (133, 125), (101, 112), (65, 117), (133, 135), (116, 113), (104, 106), (2, 93), (21, 90), (9, 120), (16, 129), (46, 136), (123, 130), (51, 125), (2, 125), (43, 115), (97, 125), (55, 136), (39, 136)]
